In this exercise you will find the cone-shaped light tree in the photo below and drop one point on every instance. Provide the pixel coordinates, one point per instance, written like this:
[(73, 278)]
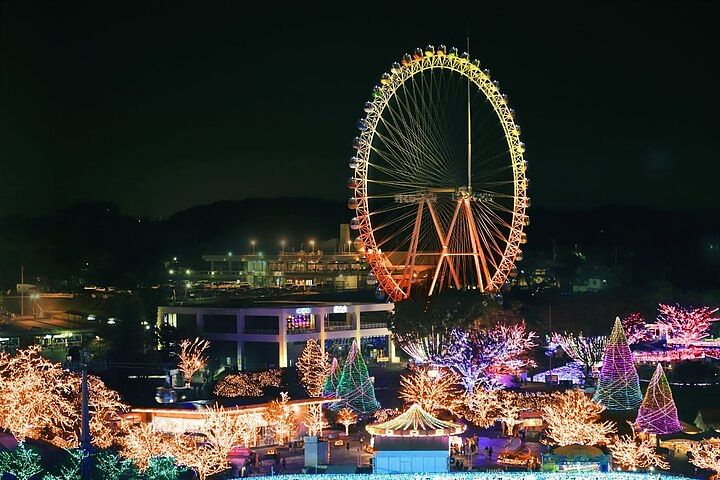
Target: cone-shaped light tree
[(619, 384), (657, 413), (355, 389), (332, 379)]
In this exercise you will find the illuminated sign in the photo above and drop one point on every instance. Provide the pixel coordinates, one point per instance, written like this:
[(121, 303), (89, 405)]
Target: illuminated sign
[(303, 311), (340, 309)]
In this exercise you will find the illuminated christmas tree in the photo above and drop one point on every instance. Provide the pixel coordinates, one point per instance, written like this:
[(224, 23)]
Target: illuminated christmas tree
[(619, 384), (355, 389), (657, 412), (332, 379)]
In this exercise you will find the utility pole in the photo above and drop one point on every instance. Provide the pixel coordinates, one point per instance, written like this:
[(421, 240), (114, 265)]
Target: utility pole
[(552, 353), (22, 290), (86, 466)]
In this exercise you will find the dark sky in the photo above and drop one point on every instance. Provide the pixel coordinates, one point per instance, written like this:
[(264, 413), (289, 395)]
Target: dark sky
[(158, 106)]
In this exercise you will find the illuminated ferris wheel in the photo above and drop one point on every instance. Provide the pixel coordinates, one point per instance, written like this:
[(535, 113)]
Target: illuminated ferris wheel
[(439, 183)]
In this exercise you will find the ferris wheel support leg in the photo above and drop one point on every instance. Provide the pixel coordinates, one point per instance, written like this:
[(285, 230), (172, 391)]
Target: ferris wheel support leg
[(412, 252), (477, 250), (444, 239)]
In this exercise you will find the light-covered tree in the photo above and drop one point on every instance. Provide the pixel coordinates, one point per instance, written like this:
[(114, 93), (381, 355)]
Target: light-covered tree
[(635, 328), (192, 357), (632, 451), (705, 455), (433, 388), (481, 406), (315, 420), (686, 325), (141, 444), (585, 350), (313, 365), (281, 418), (572, 417), (347, 417)]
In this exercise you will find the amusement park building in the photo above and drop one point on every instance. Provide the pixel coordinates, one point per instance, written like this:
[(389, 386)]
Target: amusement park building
[(256, 335)]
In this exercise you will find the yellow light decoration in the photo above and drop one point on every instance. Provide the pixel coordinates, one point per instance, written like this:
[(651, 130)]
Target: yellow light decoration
[(573, 418)]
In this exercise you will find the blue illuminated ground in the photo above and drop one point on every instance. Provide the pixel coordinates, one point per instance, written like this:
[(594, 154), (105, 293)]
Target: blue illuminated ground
[(487, 476)]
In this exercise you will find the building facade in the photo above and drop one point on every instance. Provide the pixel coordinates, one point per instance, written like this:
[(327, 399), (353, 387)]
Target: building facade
[(273, 334)]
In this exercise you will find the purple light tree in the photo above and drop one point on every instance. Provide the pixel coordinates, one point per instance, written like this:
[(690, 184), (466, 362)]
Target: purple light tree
[(657, 413), (619, 384)]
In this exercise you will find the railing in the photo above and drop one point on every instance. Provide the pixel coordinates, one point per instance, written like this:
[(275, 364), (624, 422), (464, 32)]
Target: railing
[(262, 331), (338, 328), (373, 325), (297, 331)]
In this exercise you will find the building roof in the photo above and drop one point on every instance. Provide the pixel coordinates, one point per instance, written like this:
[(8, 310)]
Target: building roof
[(415, 422), (278, 302)]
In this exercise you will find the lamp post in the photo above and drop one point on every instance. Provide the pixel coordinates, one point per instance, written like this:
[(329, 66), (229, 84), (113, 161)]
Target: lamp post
[(349, 243), (85, 439), (312, 245), (282, 246), (252, 245)]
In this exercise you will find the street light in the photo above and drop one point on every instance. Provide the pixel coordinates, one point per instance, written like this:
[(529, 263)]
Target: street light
[(312, 245), (349, 242), (282, 246), (252, 244)]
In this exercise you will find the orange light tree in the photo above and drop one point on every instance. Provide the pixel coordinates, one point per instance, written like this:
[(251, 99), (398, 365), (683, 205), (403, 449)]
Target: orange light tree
[(280, 417), (572, 417), (347, 417), (481, 406), (41, 400), (142, 444), (192, 357), (706, 455), (631, 452), (210, 456), (433, 389), (32, 396)]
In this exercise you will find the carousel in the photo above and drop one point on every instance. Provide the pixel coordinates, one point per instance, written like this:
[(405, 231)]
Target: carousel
[(413, 442)]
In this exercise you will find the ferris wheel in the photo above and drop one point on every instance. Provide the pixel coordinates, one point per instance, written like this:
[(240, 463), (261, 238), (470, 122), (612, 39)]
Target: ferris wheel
[(439, 183)]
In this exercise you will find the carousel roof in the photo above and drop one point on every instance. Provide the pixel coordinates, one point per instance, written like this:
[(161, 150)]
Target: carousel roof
[(415, 422)]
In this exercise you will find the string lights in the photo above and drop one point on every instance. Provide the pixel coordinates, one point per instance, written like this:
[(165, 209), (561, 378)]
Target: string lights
[(619, 384)]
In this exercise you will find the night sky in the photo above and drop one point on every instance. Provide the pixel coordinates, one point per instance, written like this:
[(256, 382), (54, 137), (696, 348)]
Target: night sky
[(158, 106)]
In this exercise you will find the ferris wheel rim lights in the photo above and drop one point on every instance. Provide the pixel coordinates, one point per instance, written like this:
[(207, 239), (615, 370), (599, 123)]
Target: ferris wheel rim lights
[(413, 64)]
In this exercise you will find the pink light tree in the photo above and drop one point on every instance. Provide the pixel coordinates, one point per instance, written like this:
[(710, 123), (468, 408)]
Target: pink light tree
[(686, 325), (635, 328)]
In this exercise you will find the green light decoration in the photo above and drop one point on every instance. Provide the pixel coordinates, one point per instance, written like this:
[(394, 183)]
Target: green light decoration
[(23, 463), (71, 469), (355, 389), (619, 384), (332, 379), (162, 468), (657, 413), (113, 467)]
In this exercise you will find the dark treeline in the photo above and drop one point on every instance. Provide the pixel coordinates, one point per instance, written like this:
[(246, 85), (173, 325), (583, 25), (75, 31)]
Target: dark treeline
[(98, 244)]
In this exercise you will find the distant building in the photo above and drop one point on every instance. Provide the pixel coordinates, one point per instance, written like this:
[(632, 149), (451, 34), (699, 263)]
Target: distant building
[(342, 271), (252, 335)]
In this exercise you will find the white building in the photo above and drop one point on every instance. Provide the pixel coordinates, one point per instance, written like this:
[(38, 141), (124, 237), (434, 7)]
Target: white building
[(254, 335)]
